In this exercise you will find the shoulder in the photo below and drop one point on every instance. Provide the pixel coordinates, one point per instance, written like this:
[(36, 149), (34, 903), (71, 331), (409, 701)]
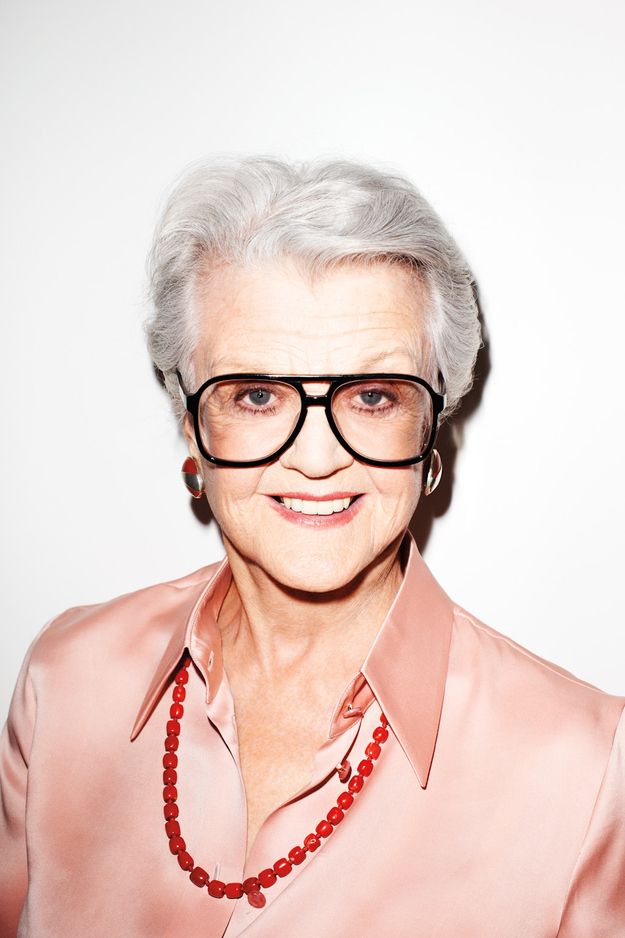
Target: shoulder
[(532, 693), (116, 626)]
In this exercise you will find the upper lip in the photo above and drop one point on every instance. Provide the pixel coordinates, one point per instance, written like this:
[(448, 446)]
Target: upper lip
[(314, 498)]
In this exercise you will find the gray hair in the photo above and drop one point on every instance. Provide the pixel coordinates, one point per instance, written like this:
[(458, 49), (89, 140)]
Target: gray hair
[(321, 213)]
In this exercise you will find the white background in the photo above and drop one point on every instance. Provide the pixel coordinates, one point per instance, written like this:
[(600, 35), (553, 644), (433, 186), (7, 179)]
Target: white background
[(507, 116)]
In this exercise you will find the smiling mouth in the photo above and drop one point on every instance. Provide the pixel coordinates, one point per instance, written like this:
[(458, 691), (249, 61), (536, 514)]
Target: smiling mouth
[(306, 506)]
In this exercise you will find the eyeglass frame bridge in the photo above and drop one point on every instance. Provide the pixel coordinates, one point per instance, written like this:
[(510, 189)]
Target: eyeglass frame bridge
[(192, 402)]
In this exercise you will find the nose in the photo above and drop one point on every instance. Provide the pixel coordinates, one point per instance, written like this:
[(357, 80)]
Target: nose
[(316, 452)]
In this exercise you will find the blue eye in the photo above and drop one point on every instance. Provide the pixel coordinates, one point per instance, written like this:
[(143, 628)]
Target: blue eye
[(371, 397), (259, 395)]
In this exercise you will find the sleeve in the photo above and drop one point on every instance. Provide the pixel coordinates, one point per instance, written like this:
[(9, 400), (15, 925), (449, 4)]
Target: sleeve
[(595, 903), (15, 745)]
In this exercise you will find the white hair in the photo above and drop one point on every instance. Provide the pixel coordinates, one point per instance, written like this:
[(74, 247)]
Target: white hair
[(254, 209)]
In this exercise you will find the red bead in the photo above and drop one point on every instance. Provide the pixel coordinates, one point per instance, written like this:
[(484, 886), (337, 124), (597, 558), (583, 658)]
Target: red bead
[(345, 800), (324, 828), (216, 888), (365, 767), (252, 882), (179, 693), (172, 828), (355, 783), (170, 793), (335, 816), (185, 860), (256, 899), (171, 743), (182, 677), (297, 855), (267, 878), (373, 750), (198, 876), (171, 810), (282, 867), (311, 842), (176, 711), (177, 844), (383, 720), (170, 777), (234, 890), (173, 728), (380, 734), (170, 760)]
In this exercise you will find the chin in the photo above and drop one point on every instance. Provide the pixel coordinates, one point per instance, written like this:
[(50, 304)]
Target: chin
[(315, 574)]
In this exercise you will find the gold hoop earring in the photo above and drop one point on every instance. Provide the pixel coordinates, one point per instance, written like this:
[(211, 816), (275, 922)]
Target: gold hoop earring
[(435, 471)]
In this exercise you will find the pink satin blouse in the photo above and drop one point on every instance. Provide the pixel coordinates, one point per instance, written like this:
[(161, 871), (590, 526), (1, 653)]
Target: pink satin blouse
[(496, 808)]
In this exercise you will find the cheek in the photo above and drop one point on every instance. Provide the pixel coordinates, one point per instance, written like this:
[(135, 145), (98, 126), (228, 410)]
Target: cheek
[(229, 491), (399, 485)]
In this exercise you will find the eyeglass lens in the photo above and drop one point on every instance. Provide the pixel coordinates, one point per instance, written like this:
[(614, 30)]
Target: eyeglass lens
[(244, 419)]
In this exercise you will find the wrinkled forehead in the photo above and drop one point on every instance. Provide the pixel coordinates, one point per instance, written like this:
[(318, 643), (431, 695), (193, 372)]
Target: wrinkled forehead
[(273, 318)]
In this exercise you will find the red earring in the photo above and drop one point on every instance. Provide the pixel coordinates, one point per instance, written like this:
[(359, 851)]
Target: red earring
[(192, 477)]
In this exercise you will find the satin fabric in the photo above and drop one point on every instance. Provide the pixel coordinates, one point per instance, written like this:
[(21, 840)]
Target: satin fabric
[(496, 809)]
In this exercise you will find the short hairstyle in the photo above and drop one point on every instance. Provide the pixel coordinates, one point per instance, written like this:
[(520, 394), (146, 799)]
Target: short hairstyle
[(321, 213)]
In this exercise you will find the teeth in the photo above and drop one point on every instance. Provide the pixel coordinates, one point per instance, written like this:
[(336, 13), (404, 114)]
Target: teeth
[(308, 507)]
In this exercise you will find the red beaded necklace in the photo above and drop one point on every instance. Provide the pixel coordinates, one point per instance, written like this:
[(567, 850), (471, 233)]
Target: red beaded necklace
[(282, 867)]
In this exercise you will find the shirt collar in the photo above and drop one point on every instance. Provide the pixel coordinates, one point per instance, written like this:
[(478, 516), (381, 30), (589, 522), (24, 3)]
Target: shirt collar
[(405, 668)]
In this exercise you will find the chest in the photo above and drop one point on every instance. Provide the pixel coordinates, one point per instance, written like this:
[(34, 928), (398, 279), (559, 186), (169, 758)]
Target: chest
[(277, 752)]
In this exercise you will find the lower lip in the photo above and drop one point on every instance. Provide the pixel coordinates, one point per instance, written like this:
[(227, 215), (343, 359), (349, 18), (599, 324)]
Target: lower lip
[(335, 520)]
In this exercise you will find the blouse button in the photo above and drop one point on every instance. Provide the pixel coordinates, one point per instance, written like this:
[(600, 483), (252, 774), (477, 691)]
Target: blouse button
[(344, 770)]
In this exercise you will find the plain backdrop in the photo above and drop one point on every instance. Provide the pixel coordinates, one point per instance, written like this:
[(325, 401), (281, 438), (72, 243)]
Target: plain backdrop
[(507, 116)]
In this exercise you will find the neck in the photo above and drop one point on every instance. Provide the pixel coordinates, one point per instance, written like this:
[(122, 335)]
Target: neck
[(280, 635)]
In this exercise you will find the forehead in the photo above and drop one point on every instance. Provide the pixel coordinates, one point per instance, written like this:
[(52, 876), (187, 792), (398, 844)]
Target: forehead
[(273, 318)]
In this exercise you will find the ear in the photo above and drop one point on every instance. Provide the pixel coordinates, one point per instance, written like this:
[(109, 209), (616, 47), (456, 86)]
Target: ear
[(189, 434)]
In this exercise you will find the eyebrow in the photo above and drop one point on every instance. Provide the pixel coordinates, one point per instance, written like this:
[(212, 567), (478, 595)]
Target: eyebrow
[(382, 356), (238, 366)]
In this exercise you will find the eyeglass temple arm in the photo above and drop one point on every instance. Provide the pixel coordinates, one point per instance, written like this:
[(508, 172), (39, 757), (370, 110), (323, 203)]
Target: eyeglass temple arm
[(443, 388), (185, 394)]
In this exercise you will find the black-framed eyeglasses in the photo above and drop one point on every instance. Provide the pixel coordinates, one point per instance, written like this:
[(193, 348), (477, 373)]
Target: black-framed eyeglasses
[(250, 419)]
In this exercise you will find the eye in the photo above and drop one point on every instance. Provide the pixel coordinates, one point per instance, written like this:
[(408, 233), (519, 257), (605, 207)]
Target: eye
[(255, 396), (371, 396), (259, 395)]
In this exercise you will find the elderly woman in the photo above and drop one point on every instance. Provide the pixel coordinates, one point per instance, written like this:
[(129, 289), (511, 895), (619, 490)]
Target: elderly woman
[(309, 736)]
